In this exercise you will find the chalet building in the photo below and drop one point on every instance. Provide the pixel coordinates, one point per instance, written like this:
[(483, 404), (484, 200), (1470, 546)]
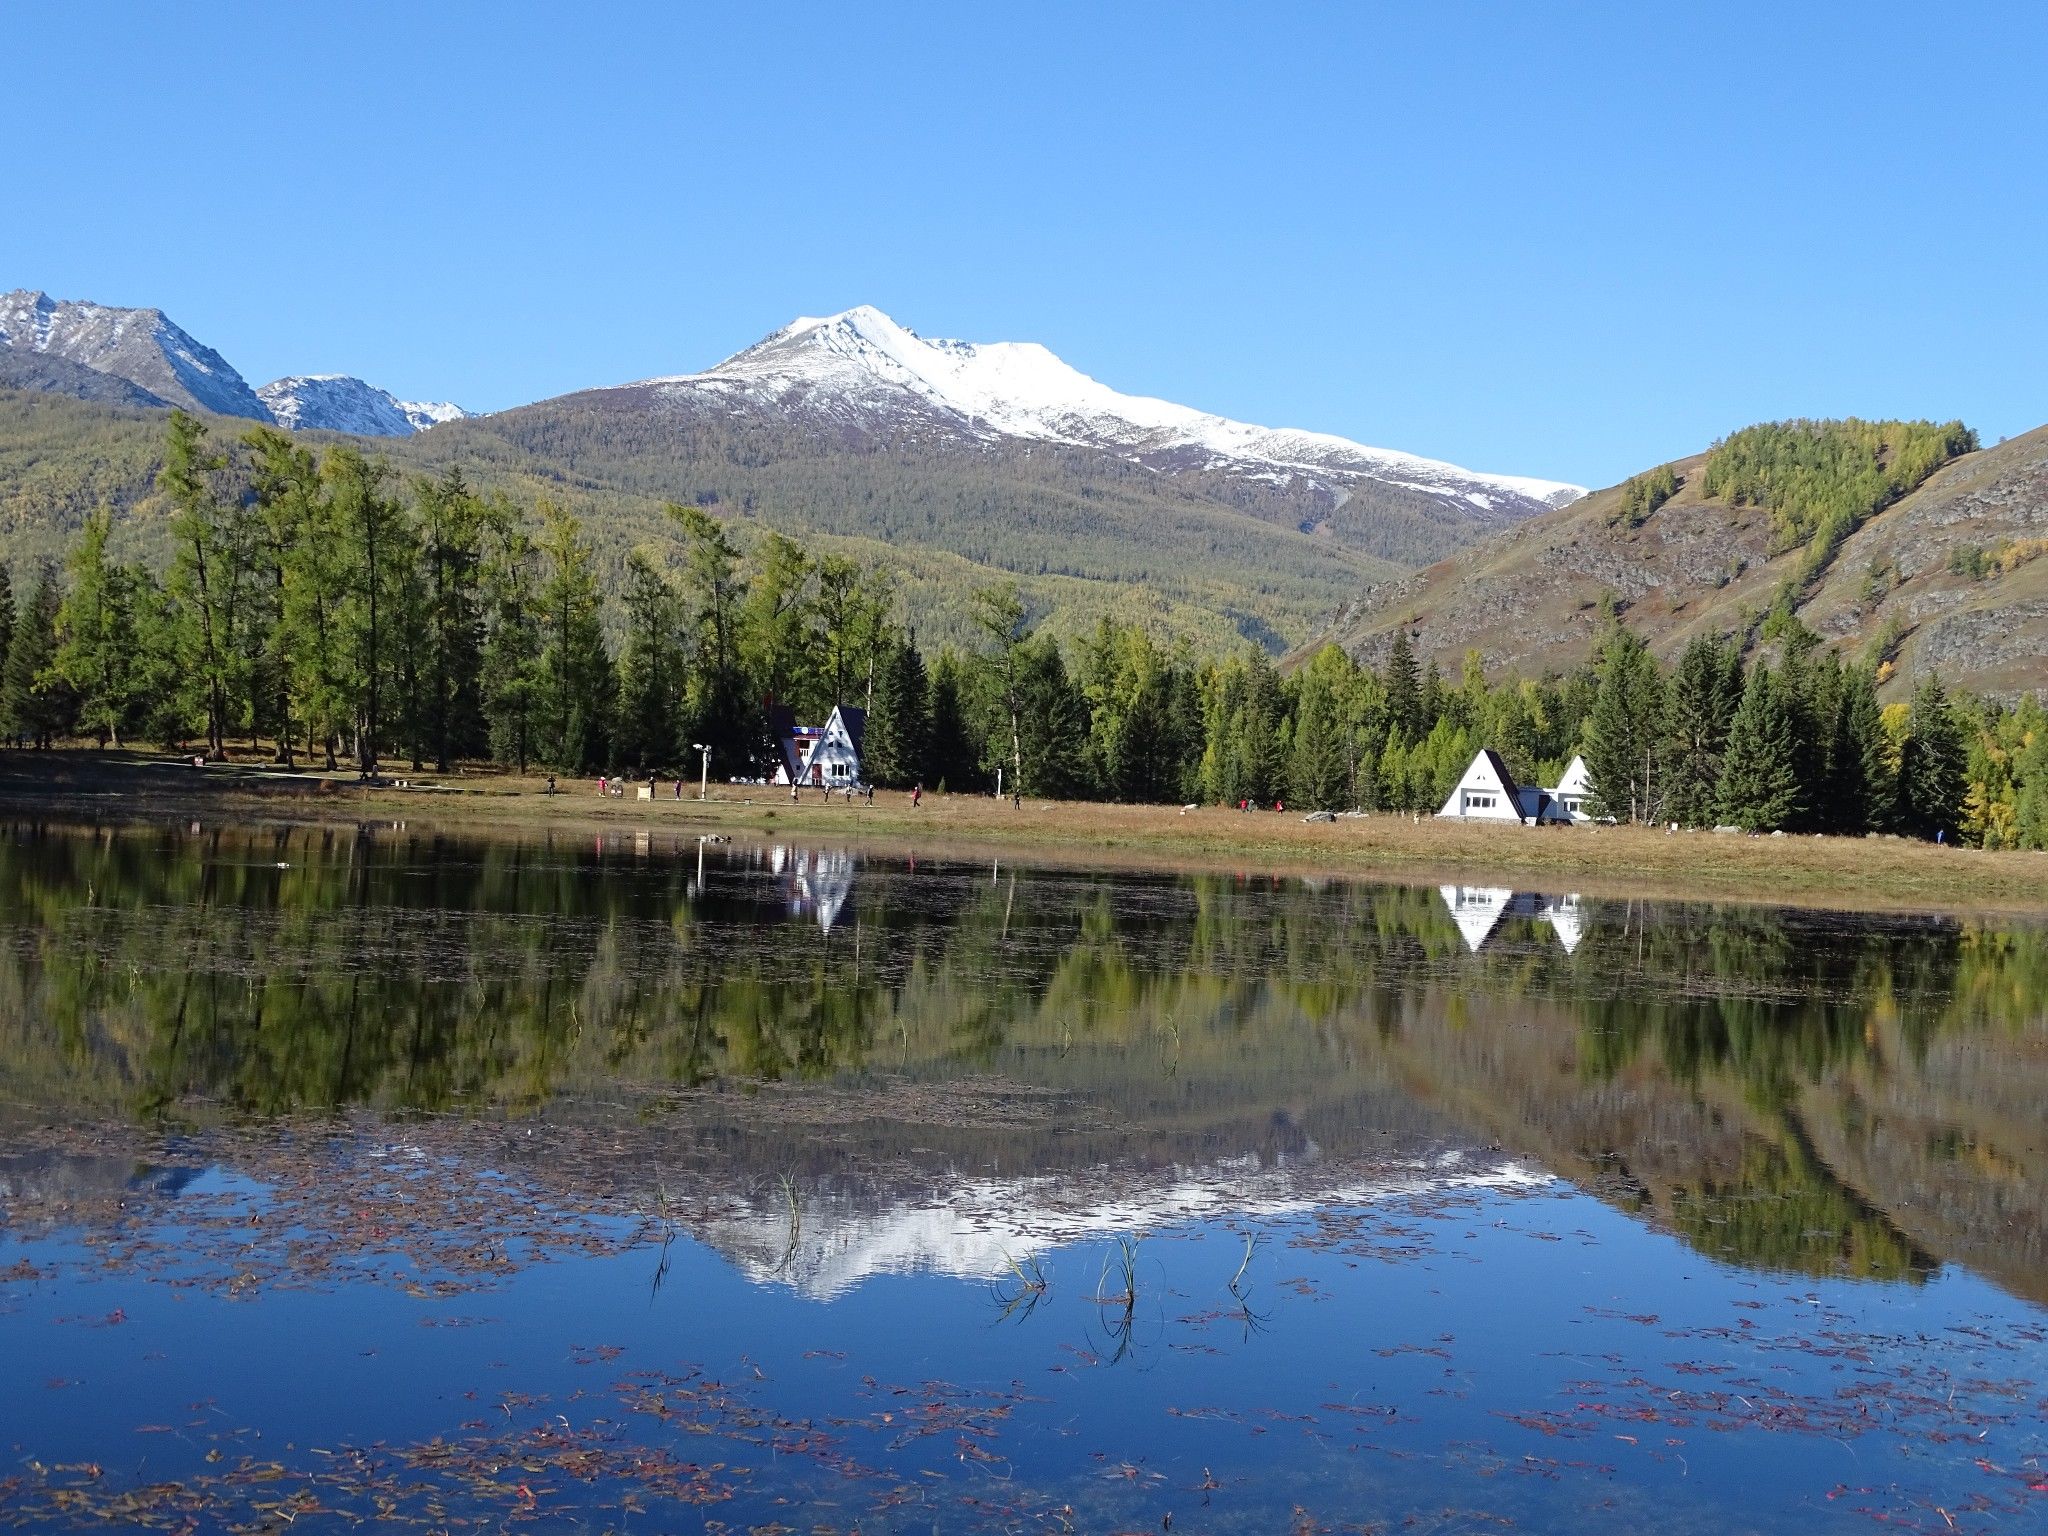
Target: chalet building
[(1488, 792), (1575, 791), (826, 756)]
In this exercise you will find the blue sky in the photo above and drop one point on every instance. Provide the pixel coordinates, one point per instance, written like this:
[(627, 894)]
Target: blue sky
[(1542, 239)]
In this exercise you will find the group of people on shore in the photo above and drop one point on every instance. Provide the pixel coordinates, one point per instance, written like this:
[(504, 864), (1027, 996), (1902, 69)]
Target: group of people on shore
[(613, 786)]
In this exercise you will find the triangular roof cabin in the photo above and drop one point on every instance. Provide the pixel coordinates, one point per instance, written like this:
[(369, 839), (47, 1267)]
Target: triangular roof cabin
[(1575, 790), (1488, 792)]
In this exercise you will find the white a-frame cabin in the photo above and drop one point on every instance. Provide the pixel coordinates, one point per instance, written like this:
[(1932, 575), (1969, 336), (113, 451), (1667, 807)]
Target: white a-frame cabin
[(1488, 792), (1575, 790)]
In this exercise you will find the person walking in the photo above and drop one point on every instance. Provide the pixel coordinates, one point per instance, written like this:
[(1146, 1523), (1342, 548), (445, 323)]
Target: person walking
[(917, 795)]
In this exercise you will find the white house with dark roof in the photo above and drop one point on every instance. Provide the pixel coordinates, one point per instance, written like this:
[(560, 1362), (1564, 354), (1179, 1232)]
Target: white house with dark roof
[(1488, 792), (825, 756), (1574, 791)]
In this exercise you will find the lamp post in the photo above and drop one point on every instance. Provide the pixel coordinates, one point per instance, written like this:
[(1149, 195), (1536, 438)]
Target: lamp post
[(703, 770)]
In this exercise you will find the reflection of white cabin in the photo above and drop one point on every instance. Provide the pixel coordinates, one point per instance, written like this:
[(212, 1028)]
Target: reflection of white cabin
[(1488, 792), (1574, 790), (1566, 918), (826, 755), (816, 882), (1478, 909)]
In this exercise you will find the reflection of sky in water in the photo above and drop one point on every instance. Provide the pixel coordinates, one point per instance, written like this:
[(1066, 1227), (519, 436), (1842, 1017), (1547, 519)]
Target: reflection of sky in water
[(1588, 1214), (1526, 1355)]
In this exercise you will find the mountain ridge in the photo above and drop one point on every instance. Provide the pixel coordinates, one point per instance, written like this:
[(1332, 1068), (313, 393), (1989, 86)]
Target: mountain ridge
[(861, 370), (341, 402), (1943, 579), (140, 357), (143, 346)]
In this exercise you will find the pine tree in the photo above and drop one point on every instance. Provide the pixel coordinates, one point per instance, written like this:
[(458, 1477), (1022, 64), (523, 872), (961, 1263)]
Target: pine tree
[(31, 709), (1403, 690), (1055, 717), (1931, 764), (575, 696), (451, 531), (1319, 775), (898, 744), (954, 756), (510, 667), (1260, 753), (1759, 789), (650, 668), (1701, 709), (6, 616), (1626, 734), (721, 712)]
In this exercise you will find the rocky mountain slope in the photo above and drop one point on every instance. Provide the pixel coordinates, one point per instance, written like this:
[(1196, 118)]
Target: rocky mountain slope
[(139, 345), (48, 373), (1951, 577), (138, 357), (336, 402)]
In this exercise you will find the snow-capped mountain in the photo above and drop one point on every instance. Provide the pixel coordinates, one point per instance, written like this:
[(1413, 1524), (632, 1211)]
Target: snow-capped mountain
[(139, 345), (862, 370), (336, 402)]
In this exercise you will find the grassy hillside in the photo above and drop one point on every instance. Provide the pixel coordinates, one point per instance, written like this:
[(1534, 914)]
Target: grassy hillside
[(1945, 574), (1086, 535)]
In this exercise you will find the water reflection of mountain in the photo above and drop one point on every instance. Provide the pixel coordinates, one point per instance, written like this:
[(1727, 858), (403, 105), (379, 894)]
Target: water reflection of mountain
[(843, 1231), (1479, 910), (1799, 1090)]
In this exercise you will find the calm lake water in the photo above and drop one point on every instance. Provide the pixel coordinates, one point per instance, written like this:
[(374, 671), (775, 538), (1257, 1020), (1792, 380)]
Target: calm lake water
[(627, 1182)]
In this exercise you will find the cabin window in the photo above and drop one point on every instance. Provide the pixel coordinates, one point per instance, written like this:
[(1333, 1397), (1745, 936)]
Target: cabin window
[(1479, 802)]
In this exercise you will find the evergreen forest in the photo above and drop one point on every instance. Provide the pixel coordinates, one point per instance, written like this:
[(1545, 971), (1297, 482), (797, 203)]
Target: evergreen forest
[(319, 607)]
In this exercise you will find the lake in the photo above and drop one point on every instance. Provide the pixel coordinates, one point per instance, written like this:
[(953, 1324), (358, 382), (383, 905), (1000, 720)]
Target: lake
[(626, 1181)]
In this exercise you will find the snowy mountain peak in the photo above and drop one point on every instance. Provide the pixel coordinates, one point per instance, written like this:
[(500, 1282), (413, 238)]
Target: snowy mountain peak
[(338, 402), (861, 364), (142, 346)]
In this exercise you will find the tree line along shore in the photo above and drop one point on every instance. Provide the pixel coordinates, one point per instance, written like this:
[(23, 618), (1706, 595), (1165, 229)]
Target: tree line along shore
[(318, 609)]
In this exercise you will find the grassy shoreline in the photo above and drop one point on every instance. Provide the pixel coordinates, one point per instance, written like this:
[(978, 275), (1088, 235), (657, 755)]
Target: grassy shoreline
[(1879, 873)]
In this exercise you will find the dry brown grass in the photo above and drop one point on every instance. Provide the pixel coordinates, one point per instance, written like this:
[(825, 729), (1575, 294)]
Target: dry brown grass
[(1863, 872)]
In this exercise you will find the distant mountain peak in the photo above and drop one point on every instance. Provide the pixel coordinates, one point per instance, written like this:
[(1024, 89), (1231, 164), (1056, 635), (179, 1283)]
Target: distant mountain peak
[(143, 346), (860, 363), (340, 402)]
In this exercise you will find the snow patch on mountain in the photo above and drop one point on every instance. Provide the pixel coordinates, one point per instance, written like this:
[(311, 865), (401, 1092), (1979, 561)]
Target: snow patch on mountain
[(142, 346), (338, 402), (863, 364)]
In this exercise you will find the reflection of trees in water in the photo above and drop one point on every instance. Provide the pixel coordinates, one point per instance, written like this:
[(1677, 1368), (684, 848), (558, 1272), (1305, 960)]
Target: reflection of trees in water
[(321, 966)]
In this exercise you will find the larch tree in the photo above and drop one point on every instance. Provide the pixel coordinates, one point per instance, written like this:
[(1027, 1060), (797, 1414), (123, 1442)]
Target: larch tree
[(97, 651), (210, 571), (575, 673), (999, 614)]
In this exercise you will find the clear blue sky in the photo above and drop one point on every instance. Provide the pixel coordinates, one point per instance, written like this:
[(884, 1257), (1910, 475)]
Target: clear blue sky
[(1546, 239)]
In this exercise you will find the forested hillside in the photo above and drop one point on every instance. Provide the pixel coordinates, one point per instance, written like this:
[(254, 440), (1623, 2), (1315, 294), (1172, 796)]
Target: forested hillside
[(1900, 544), (317, 603), (1084, 535)]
